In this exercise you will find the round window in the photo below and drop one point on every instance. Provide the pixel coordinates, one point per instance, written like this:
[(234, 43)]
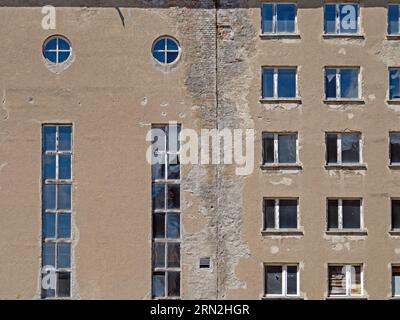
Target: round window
[(57, 49), (166, 50)]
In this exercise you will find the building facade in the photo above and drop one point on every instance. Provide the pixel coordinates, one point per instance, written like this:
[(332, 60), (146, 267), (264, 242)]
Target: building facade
[(84, 215)]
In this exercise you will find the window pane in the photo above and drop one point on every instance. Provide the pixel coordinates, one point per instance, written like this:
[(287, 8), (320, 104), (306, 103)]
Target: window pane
[(291, 280), (268, 83), (172, 56), (394, 148), (49, 138), (330, 18), (64, 255), (64, 167), (337, 280), (159, 225), (394, 84), (64, 225), (174, 196), (63, 284), (288, 214), (173, 225), (64, 138), (351, 148), (395, 214), (174, 255), (393, 19), (349, 83), (286, 83), (333, 217), (171, 45), (174, 284), (267, 16), (160, 45), (158, 196), (286, 14), (160, 56), (268, 148), (49, 254), (173, 137), (396, 281), (287, 148), (348, 18), (158, 171), (330, 83), (159, 255), (269, 214), (158, 285), (173, 167), (351, 214), (356, 280), (49, 196), (273, 279), (64, 196), (49, 225), (49, 167), (331, 148), (63, 56)]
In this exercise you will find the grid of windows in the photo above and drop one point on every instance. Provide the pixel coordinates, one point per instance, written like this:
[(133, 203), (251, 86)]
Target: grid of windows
[(166, 212), (57, 210)]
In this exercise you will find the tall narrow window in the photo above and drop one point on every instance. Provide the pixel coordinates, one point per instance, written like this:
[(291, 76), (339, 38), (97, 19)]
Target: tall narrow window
[(280, 148), (57, 211), (279, 83), (345, 280), (343, 148), (280, 214), (279, 18), (393, 19), (342, 83), (341, 18), (344, 214), (166, 212)]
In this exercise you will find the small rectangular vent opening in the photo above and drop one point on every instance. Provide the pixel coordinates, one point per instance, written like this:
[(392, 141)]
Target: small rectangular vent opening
[(205, 263)]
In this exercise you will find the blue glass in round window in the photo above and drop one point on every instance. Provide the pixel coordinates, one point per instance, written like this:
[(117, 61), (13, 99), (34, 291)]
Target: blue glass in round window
[(57, 49), (166, 50)]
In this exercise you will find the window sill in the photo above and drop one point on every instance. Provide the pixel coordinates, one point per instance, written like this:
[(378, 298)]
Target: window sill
[(394, 166), (393, 101), (282, 298), (349, 232), (282, 166), (346, 298), (394, 298), (280, 100), (344, 101), (343, 36), (395, 232), (393, 36), (358, 166), (282, 232), (280, 35)]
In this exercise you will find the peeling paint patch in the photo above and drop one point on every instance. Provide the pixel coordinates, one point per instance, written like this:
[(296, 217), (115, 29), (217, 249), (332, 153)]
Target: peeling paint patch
[(284, 181), (274, 249)]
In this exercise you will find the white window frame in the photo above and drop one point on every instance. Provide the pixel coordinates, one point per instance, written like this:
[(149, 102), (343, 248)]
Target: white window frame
[(340, 213), (348, 279), (338, 87), (57, 50), (339, 148), (275, 19), (275, 83), (277, 214), (284, 280), (394, 265), (337, 18), (276, 147), (398, 18), (166, 50)]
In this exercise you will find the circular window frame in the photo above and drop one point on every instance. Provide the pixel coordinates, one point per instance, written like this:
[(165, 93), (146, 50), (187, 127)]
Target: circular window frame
[(166, 64), (57, 67)]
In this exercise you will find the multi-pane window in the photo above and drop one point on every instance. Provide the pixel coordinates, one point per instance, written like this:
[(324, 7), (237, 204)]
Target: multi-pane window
[(166, 212), (343, 148), (394, 83), (281, 280), (280, 214), (394, 147), (345, 280), (344, 214), (341, 18), (393, 19), (279, 83), (342, 83), (396, 281), (279, 18), (57, 210), (279, 148), (395, 209)]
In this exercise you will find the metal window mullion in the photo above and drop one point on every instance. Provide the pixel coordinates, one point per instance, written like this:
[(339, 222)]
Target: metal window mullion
[(57, 55), (339, 147), (276, 213), (340, 213), (165, 51)]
